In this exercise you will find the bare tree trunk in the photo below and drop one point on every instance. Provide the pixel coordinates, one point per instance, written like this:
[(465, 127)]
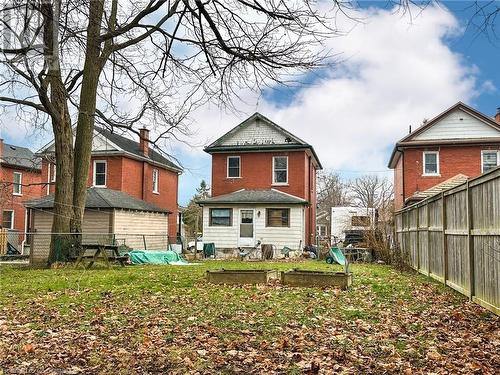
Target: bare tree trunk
[(85, 126), (63, 134)]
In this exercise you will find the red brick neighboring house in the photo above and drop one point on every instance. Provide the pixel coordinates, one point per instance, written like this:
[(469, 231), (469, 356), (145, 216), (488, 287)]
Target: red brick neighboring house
[(121, 164), (263, 188), (459, 141), (20, 180)]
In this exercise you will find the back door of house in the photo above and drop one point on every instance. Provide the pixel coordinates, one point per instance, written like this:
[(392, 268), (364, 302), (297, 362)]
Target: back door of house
[(246, 228)]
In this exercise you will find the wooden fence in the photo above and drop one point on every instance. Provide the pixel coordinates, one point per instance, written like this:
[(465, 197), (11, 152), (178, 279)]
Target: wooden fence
[(454, 237), (3, 241)]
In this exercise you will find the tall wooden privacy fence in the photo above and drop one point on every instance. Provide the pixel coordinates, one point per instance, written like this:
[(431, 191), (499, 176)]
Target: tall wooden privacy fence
[(454, 237)]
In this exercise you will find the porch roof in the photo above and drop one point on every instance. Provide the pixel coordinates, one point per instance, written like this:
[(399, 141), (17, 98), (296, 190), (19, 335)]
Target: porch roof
[(247, 196)]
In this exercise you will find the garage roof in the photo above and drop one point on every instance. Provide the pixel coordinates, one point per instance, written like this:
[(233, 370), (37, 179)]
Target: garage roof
[(103, 198)]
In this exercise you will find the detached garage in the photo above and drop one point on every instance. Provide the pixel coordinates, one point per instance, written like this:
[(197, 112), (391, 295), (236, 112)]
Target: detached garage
[(110, 217)]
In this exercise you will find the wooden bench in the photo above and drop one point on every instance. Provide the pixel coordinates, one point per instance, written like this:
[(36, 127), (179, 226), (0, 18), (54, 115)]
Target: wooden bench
[(100, 253)]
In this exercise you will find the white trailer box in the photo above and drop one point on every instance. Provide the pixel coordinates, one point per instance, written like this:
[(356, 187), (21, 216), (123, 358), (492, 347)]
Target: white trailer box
[(350, 218)]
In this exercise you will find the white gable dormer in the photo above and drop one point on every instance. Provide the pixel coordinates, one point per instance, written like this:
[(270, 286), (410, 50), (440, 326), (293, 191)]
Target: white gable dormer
[(99, 144), (458, 124)]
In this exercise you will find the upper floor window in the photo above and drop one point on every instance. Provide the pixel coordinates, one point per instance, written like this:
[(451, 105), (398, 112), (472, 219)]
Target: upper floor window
[(156, 177), (431, 163), (100, 169), (8, 219), (54, 171), (489, 160), (17, 183), (280, 170), (233, 166)]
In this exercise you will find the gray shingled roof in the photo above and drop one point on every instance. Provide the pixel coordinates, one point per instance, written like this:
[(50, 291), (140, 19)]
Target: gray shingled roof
[(133, 147), (292, 142), (245, 196), (102, 198), (20, 157)]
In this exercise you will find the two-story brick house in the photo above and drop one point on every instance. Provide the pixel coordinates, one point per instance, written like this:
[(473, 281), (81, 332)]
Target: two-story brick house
[(124, 165), (457, 144), (20, 180), (263, 188)]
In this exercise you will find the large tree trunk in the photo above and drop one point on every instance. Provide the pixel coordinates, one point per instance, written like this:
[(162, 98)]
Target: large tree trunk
[(85, 126), (63, 136)]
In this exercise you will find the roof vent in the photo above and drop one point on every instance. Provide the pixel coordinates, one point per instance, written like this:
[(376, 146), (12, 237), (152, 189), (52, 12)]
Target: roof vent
[(288, 140)]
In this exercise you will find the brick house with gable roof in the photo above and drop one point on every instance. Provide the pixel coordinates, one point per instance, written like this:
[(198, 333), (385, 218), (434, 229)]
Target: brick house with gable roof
[(457, 144), (20, 180), (122, 164), (263, 188)]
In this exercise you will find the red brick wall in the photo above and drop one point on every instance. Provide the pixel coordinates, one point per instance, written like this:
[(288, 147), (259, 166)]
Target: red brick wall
[(452, 161), (8, 201), (125, 174), (256, 173)]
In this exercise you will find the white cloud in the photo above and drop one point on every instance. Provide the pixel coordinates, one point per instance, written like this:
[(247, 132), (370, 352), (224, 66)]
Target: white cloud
[(394, 74)]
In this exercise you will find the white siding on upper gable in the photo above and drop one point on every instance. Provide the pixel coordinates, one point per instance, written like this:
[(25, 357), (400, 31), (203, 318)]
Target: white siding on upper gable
[(257, 132), (99, 143), (227, 237), (458, 125)]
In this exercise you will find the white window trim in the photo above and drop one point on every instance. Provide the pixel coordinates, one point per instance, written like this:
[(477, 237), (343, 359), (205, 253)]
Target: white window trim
[(11, 219), (156, 184), (105, 174), (54, 171), (280, 183), (20, 184), (227, 165), (437, 163), (489, 151)]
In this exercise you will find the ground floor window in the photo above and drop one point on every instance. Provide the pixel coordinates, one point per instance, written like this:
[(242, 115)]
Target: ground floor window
[(278, 217), (8, 219), (221, 217)]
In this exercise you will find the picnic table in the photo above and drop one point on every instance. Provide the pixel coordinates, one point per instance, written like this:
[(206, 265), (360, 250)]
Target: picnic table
[(100, 253)]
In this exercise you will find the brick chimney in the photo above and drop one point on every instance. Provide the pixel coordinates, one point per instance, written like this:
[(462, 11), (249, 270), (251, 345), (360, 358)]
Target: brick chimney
[(497, 116), (144, 141), (1, 148)]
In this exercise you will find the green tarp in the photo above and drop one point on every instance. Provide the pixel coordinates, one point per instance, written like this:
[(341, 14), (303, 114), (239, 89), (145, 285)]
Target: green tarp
[(156, 257)]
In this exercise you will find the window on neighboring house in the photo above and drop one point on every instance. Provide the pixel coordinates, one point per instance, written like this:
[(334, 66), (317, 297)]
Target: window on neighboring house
[(321, 230), (221, 217), (156, 177), (280, 170), (360, 221), (54, 171), (278, 217), (100, 173), (233, 167), (489, 160), (431, 163), (8, 219), (17, 183)]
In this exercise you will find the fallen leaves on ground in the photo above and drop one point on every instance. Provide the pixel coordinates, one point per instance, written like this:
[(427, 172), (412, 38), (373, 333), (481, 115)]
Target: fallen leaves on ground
[(154, 320)]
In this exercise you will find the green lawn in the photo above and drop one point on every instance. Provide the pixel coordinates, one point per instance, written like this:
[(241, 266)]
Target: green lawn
[(166, 319)]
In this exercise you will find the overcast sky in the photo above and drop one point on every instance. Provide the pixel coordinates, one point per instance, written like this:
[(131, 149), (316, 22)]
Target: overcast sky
[(393, 72)]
